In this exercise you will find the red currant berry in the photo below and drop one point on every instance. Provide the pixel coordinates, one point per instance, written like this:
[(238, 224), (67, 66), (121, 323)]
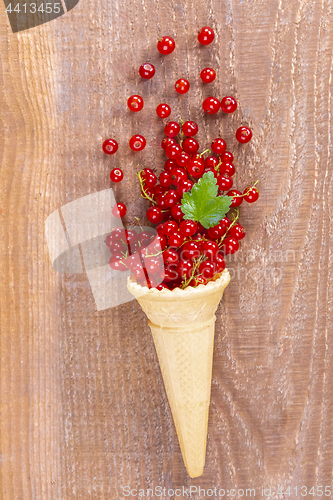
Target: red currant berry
[(163, 110), (161, 286), (161, 239), (227, 168), (178, 175), (170, 274), (170, 256), (226, 222), (173, 151), (190, 250), (171, 198), (195, 168), (150, 180), (161, 202), (176, 239), (160, 228), (229, 104), (182, 86), (183, 159), (230, 245), (227, 157), (159, 190), (209, 249), (218, 146), (237, 231), (206, 35), (147, 71), (198, 280), (117, 246), (211, 161), (251, 194), (119, 210), (135, 103), (190, 145), (219, 262), (237, 198), (117, 262), (190, 128), (167, 141), (188, 227), (137, 142), (184, 268), (116, 175), (207, 269), (176, 212), (243, 135), (110, 146), (171, 129), (169, 227), (131, 237), (165, 179), (166, 45), (211, 105), (217, 231), (118, 233), (208, 75), (184, 186), (224, 183), (211, 169), (170, 164), (154, 215), (145, 238)]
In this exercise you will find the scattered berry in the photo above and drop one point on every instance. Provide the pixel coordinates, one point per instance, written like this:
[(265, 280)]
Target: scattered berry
[(227, 157), (243, 135), (166, 45), (237, 198), (171, 129), (224, 183), (183, 159), (206, 35), (251, 194), (137, 142), (190, 128), (182, 86), (119, 210), (154, 215), (165, 179), (227, 168), (163, 110), (116, 175), (190, 145), (167, 141), (218, 146), (195, 168), (135, 103), (228, 104), (230, 245), (173, 151), (208, 75), (211, 105), (110, 146), (147, 71), (211, 161)]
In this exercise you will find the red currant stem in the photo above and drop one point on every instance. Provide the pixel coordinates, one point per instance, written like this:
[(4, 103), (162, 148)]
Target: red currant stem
[(246, 192), (235, 219), (204, 152), (139, 222), (217, 168), (154, 254), (186, 282), (145, 195), (181, 121)]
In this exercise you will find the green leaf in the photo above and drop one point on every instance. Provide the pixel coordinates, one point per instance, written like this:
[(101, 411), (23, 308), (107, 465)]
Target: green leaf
[(202, 204)]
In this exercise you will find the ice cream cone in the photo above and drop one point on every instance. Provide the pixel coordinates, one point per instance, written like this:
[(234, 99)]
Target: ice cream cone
[(182, 323)]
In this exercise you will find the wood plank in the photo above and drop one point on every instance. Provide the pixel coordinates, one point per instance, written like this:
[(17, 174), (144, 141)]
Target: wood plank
[(83, 407)]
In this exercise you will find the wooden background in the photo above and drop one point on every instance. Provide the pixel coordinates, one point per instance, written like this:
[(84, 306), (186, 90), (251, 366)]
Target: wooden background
[(83, 408)]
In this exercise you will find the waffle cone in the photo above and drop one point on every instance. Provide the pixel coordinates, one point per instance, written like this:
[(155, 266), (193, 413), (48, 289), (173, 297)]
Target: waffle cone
[(182, 323)]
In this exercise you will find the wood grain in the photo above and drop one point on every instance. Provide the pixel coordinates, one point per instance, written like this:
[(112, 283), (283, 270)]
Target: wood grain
[(83, 408)]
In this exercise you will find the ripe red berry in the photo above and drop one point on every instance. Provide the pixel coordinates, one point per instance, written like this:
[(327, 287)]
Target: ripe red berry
[(243, 135), (161, 201), (190, 250), (159, 190), (211, 169), (198, 280), (251, 194), (163, 110), (167, 141), (183, 159), (190, 128), (161, 286), (165, 179), (110, 146), (154, 215), (116, 175), (217, 231), (162, 241), (211, 105), (184, 268), (190, 145), (173, 151), (166, 45), (176, 212), (195, 168), (227, 168), (135, 103), (188, 228), (150, 180), (182, 86), (218, 146), (117, 262), (171, 129), (119, 210), (237, 198), (208, 75), (170, 227), (209, 249), (170, 164), (207, 269), (170, 256), (171, 198), (227, 157), (224, 183), (219, 262), (147, 71), (137, 142), (211, 161), (206, 35), (178, 175), (230, 245), (184, 186), (237, 231), (228, 104), (176, 239), (170, 274)]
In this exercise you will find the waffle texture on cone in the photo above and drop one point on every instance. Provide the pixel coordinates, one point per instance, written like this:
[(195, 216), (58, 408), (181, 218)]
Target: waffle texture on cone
[(182, 323)]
